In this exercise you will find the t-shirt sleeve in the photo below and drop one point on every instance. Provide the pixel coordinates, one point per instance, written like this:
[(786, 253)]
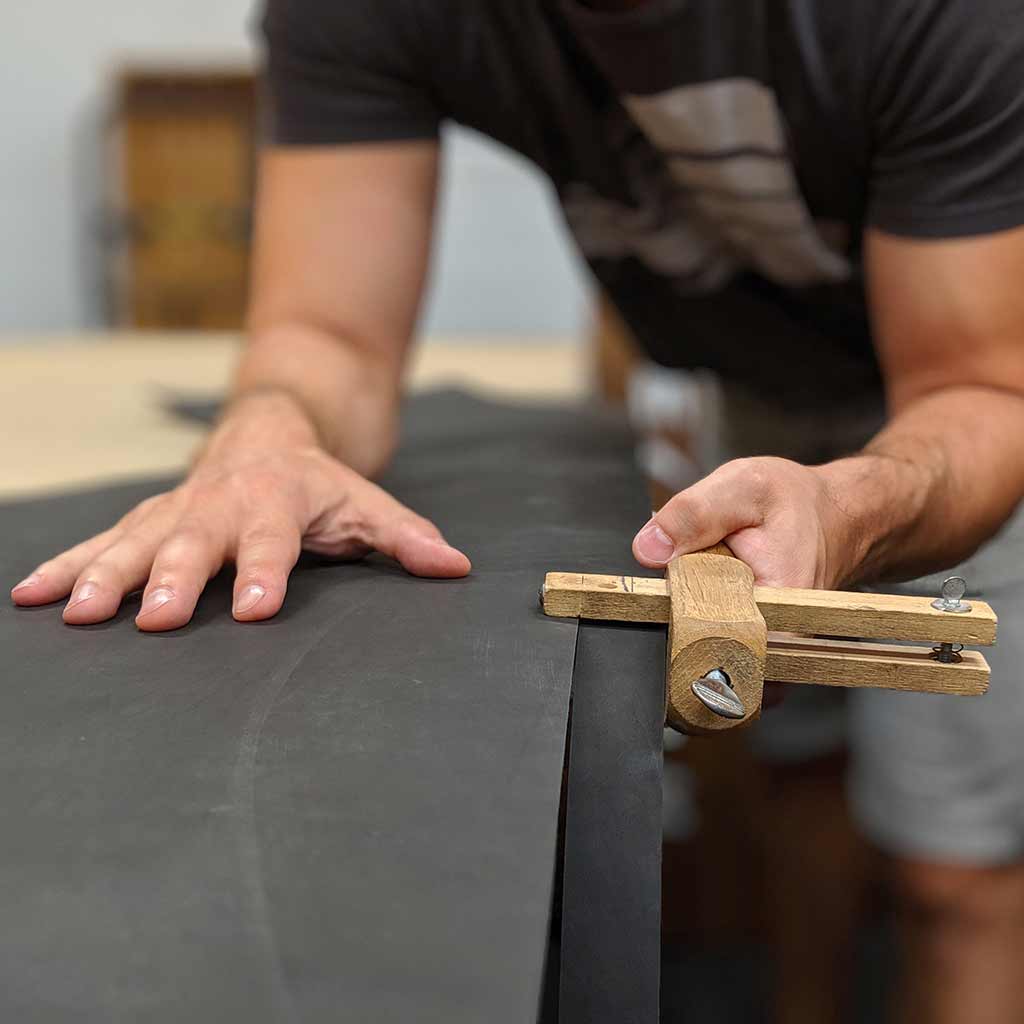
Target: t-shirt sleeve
[(340, 71), (946, 104)]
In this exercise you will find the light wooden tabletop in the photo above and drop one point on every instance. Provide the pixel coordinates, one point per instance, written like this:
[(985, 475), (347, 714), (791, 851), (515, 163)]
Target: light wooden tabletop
[(78, 410)]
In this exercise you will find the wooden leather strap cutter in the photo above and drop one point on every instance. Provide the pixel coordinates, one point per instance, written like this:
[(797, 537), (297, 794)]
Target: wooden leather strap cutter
[(726, 636)]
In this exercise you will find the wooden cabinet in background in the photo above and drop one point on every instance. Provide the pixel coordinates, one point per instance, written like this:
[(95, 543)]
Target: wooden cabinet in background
[(181, 190)]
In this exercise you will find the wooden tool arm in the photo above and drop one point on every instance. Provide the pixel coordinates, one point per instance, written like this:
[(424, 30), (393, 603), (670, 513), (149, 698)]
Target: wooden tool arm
[(826, 612), (879, 666)]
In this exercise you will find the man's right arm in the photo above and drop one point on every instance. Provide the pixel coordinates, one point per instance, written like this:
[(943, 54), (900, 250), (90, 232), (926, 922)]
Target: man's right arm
[(342, 244), (343, 238)]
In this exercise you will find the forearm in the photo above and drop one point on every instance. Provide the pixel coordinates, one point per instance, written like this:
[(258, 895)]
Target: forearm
[(303, 385), (938, 481)]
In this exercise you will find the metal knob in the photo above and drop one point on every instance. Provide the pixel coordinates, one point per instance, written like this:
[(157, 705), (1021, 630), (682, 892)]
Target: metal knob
[(953, 591), (715, 692)]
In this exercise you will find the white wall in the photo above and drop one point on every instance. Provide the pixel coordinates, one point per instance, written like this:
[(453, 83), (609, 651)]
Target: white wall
[(504, 264), (504, 260)]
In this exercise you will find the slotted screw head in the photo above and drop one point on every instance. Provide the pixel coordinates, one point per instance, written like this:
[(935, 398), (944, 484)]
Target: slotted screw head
[(715, 692), (953, 590)]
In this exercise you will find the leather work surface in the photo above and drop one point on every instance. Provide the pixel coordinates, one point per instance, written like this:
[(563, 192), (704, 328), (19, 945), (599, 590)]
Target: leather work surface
[(349, 812)]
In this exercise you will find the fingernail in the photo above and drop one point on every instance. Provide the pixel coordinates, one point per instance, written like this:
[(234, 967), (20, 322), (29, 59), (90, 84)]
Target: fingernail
[(155, 599), (249, 598), (654, 543), (86, 592), (28, 581)]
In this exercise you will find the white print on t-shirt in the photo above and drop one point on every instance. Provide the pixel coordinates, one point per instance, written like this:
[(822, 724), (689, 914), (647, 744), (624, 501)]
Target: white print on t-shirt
[(738, 205)]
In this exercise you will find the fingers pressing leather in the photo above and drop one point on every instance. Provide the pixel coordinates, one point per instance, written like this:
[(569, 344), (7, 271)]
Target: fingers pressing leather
[(54, 579), (99, 571), (417, 545), (267, 553), (182, 566), (394, 530), (115, 572), (337, 512)]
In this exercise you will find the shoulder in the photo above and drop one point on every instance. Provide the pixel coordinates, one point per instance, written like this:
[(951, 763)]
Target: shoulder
[(365, 16), (946, 109), (354, 28), (931, 51), (352, 70)]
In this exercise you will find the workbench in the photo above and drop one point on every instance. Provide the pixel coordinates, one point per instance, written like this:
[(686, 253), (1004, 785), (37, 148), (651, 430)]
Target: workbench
[(351, 812), (88, 408)]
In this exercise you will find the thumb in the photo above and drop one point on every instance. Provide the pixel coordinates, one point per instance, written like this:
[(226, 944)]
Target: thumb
[(714, 508), (387, 526)]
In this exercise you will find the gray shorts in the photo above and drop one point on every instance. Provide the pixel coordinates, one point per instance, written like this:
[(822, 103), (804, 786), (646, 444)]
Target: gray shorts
[(932, 777)]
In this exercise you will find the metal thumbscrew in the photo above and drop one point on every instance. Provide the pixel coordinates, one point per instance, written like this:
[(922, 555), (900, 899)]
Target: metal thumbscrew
[(953, 591), (948, 654), (715, 692), (951, 600)]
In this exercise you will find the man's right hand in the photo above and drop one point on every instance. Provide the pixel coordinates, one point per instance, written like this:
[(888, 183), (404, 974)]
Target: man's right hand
[(262, 492), (341, 248)]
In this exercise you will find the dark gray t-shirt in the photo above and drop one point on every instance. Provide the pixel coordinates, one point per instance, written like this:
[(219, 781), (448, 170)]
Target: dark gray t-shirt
[(717, 160)]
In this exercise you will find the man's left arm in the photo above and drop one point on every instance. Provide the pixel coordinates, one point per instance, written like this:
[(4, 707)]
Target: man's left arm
[(944, 474)]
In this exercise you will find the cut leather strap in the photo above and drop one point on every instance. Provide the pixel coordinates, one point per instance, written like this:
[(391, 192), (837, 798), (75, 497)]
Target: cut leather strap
[(611, 881)]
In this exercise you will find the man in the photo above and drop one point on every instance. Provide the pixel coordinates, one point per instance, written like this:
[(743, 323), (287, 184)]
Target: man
[(819, 201)]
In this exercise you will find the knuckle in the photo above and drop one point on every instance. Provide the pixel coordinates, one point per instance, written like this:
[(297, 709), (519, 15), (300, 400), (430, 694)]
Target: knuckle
[(684, 513), (409, 522), (341, 475), (268, 550), (260, 572), (427, 525), (142, 511), (260, 482), (152, 504), (201, 494), (762, 472), (71, 559), (100, 570), (266, 539), (95, 575), (182, 547), (751, 469), (54, 565), (117, 562), (239, 489), (128, 548), (248, 484), (270, 521), (762, 481)]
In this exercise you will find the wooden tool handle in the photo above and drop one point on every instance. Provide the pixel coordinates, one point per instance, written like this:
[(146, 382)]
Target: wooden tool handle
[(714, 623)]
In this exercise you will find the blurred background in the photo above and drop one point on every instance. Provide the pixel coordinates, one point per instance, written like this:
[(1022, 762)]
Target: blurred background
[(113, 215)]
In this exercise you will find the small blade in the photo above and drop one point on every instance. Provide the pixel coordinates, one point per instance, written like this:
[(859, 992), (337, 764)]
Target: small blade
[(715, 693)]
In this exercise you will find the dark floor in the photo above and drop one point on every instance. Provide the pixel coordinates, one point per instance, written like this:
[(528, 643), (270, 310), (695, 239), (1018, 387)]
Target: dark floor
[(731, 986), (719, 986)]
